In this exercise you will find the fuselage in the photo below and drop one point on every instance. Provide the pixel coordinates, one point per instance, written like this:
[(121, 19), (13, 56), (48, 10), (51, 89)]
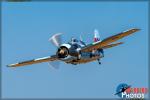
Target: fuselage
[(85, 58), (75, 56)]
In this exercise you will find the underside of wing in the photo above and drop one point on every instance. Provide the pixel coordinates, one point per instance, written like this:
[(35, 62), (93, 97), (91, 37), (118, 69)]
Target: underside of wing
[(107, 41), (34, 61), (112, 45)]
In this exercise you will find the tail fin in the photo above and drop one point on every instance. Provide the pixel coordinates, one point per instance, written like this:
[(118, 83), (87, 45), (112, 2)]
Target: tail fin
[(96, 36)]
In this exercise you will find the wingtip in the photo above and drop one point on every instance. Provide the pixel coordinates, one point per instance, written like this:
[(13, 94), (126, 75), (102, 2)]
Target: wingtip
[(8, 66), (139, 29), (136, 29), (11, 65)]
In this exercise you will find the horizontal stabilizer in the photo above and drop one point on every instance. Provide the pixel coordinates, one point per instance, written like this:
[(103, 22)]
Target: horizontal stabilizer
[(112, 45)]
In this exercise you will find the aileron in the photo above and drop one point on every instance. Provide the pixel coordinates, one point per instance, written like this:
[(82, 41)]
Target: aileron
[(34, 61)]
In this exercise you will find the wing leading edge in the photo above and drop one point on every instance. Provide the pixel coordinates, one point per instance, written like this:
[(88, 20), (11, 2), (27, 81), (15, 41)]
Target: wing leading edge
[(34, 61), (107, 41)]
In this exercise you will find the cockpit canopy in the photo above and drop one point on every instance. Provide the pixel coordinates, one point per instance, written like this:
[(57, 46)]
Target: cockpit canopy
[(74, 40)]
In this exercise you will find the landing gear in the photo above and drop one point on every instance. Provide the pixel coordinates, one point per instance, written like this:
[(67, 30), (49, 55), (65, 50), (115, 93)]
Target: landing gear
[(79, 57), (101, 52), (99, 61)]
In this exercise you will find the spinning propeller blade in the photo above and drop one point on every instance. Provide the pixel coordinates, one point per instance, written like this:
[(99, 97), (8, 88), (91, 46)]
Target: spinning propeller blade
[(56, 39), (54, 64)]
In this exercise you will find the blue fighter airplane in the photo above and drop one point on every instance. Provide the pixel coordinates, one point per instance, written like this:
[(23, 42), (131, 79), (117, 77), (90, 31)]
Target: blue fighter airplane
[(77, 51)]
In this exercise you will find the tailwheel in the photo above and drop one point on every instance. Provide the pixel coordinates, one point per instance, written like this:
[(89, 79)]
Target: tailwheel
[(99, 61)]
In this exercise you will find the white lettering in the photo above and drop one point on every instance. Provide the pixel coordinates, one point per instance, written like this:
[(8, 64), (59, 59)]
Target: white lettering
[(132, 95), (124, 94)]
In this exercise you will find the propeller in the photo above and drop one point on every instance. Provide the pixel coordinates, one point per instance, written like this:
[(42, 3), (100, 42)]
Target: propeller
[(54, 64), (81, 40), (56, 39)]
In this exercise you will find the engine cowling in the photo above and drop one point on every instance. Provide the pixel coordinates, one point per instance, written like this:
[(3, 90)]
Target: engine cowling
[(63, 51), (66, 49)]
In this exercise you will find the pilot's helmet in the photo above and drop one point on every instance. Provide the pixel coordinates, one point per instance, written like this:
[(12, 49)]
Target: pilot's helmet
[(74, 40)]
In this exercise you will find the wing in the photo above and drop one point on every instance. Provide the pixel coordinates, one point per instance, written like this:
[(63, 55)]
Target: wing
[(34, 61), (118, 92), (112, 45), (105, 42)]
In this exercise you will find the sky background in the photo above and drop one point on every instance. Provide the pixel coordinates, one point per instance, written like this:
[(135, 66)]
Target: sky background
[(26, 28)]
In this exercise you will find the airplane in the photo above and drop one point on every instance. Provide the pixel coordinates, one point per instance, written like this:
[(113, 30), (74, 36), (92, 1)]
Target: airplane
[(77, 51), (123, 89)]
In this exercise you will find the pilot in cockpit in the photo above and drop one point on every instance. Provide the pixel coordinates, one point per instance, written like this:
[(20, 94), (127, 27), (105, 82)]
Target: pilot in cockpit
[(74, 41)]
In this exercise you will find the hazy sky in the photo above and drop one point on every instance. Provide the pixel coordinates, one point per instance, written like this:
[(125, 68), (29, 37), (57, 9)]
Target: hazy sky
[(26, 28)]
